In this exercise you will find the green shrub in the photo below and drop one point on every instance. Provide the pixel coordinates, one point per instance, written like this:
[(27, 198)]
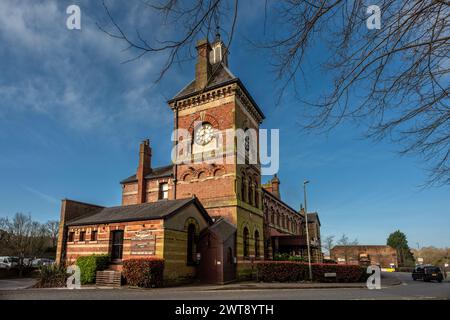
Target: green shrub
[(297, 258), (291, 271), (145, 273), (281, 257), (52, 276), (288, 257), (89, 265)]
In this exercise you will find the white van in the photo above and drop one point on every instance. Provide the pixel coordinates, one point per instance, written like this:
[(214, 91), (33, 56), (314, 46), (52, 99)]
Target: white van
[(8, 262)]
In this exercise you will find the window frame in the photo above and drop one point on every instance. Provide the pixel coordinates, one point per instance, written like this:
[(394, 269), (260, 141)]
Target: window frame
[(163, 191), (94, 232)]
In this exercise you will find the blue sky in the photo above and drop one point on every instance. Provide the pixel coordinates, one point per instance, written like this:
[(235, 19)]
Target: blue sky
[(72, 116)]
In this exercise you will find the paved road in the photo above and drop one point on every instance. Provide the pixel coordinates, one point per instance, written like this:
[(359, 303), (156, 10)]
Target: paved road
[(407, 290), (16, 284)]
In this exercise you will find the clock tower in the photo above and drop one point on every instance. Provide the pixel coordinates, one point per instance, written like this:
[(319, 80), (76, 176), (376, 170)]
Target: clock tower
[(210, 115)]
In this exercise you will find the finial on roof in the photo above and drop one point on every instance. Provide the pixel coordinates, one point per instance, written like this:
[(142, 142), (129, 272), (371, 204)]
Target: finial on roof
[(217, 32)]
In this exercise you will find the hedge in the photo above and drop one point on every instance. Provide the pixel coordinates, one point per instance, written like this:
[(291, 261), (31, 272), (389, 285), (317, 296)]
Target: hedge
[(145, 273), (288, 257), (89, 265), (290, 271)]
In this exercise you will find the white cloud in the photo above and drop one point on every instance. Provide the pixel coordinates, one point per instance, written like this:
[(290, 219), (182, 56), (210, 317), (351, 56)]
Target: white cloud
[(71, 76)]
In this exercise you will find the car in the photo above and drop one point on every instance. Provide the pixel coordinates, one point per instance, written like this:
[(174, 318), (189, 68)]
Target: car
[(427, 273), (42, 262), (8, 262)]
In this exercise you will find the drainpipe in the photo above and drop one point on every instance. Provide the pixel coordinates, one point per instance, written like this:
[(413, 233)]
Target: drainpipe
[(175, 168)]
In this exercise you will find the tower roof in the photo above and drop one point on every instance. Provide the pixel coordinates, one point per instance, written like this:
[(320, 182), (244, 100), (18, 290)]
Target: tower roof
[(211, 73), (221, 75)]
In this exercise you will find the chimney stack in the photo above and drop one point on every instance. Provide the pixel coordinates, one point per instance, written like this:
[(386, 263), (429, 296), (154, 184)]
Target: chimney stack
[(203, 66), (144, 168), (276, 186)]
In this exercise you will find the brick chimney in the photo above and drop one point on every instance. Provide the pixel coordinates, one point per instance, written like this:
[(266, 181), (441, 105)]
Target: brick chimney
[(276, 186), (144, 168), (203, 66)]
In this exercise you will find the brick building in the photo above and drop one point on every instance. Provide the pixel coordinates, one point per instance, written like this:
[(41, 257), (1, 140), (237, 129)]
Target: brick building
[(382, 255), (180, 205)]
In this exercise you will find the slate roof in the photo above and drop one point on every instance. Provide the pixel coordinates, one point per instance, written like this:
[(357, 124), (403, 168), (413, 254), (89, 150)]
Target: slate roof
[(313, 217), (223, 229), (147, 211), (159, 172), (270, 194), (221, 76)]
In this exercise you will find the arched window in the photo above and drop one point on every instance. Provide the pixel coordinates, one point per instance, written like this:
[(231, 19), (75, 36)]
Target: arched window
[(191, 249), (246, 242), (256, 244), (255, 194), (243, 188), (250, 192)]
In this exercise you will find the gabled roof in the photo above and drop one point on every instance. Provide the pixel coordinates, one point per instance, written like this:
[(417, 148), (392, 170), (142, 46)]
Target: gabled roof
[(221, 76), (313, 217), (162, 209), (223, 229), (166, 171)]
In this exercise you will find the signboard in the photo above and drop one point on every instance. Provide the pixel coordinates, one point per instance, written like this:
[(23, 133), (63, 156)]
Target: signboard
[(330, 274), (143, 243), (420, 260), (446, 265)]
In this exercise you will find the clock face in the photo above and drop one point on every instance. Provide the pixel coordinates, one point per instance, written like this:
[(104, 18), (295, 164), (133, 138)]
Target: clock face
[(204, 134)]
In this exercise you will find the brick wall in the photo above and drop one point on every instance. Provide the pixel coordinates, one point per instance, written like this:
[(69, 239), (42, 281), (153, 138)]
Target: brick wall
[(103, 243)]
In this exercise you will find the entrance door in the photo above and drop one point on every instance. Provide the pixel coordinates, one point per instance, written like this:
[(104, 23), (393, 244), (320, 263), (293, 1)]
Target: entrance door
[(117, 245)]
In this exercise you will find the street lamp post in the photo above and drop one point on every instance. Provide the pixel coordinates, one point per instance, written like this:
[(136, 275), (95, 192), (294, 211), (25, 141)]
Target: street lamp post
[(307, 231)]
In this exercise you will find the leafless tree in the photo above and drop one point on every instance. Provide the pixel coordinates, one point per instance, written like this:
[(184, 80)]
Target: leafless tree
[(53, 229), (346, 244), (329, 244), (24, 237), (393, 80)]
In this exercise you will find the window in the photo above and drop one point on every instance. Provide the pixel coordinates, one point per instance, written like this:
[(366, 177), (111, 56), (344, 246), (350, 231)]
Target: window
[(191, 244), (256, 244), (163, 191), (250, 192), (257, 199), (246, 244), (82, 236), (71, 236), (243, 188), (94, 235)]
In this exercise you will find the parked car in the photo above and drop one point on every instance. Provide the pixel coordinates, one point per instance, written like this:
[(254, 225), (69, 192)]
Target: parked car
[(427, 273), (42, 262), (8, 262)]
